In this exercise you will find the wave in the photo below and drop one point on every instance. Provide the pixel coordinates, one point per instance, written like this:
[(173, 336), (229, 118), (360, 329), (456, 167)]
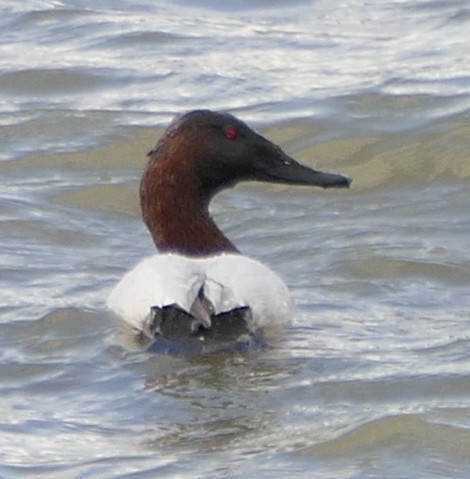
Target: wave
[(411, 432), (438, 152)]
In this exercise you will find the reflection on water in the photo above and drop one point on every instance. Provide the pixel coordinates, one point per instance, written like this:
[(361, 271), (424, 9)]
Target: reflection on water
[(372, 378), (213, 394)]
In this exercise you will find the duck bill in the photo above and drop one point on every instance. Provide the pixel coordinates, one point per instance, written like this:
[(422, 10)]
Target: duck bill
[(291, 172)]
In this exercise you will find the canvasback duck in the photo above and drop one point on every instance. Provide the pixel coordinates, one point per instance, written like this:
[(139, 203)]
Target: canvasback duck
[(200, 288)]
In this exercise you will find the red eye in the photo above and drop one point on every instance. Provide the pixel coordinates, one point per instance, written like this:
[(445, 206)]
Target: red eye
[(231, 133)]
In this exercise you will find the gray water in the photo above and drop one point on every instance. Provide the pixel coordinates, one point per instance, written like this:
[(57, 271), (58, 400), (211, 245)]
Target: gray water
[(373, 378)]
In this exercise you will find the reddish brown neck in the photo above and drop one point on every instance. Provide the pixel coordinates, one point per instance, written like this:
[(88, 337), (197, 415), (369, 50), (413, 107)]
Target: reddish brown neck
[(176, 214)]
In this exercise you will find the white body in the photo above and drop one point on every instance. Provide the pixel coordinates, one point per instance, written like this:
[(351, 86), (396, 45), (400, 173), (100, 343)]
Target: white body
[(229, 280)]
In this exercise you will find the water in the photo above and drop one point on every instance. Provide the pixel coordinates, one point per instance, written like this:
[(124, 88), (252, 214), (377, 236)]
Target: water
[(372, 380)]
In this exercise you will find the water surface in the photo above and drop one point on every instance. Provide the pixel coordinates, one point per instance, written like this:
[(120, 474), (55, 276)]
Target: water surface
[(372, 379)]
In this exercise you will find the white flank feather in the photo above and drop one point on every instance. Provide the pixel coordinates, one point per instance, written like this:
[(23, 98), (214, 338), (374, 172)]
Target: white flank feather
[(230, 281)]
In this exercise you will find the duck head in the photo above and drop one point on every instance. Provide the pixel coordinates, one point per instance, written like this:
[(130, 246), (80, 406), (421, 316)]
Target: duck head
[(199, 154)]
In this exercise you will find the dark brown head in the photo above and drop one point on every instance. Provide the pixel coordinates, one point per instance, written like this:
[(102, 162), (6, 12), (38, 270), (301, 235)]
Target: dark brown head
[(199, 154)]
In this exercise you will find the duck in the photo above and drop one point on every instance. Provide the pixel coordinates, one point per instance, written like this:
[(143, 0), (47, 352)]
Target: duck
[(199, 289)]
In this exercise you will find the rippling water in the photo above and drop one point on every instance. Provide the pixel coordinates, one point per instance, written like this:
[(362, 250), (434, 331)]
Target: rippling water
[(372, 380)]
